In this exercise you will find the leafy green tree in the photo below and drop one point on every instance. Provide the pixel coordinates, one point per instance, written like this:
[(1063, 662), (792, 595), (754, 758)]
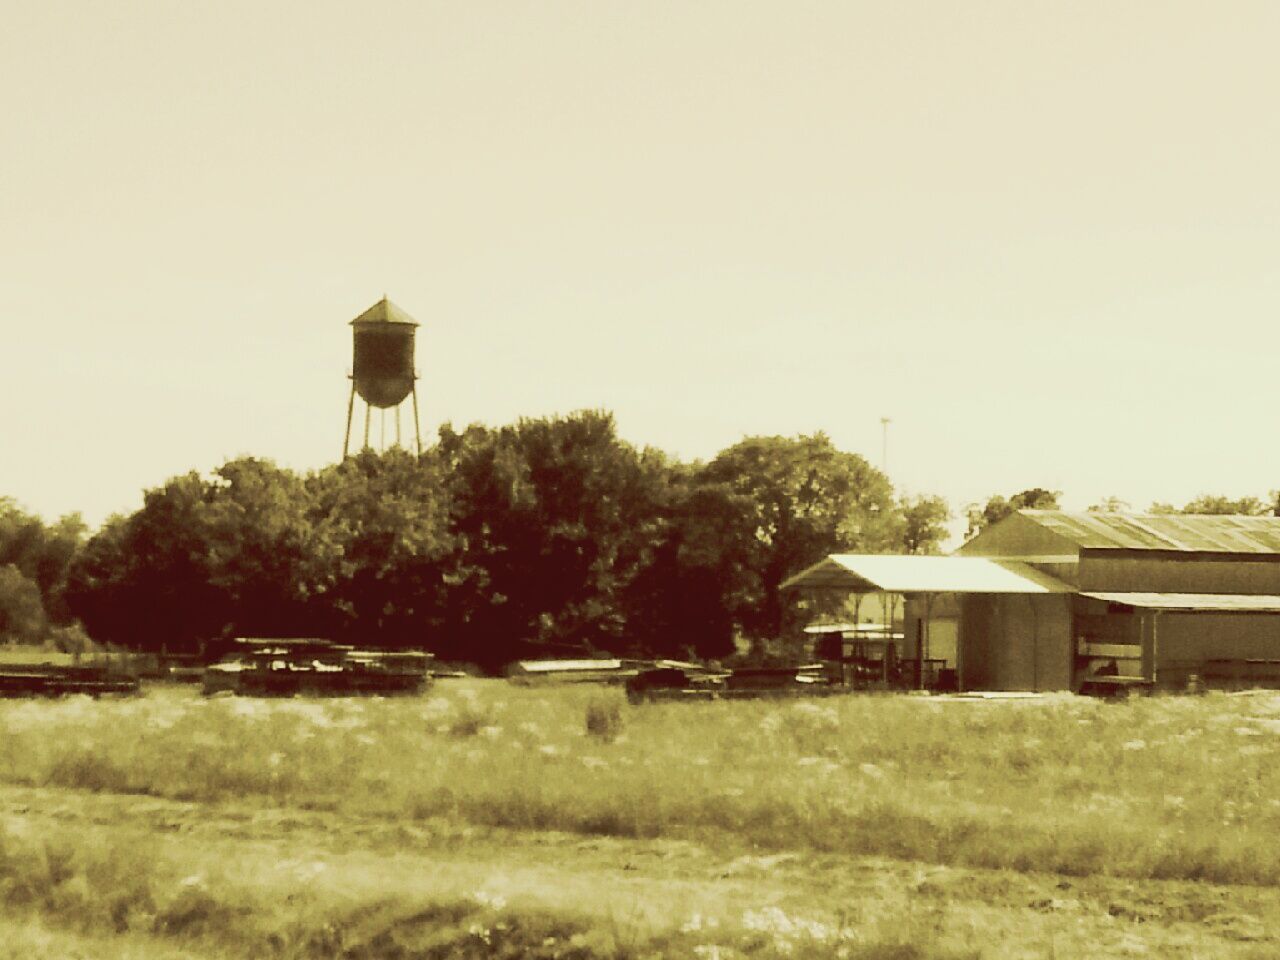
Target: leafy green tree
[(1110, 505), (924, 523), (788, 502), (146, 580), (997, 508), (379, 556), (41, 553), (556, 518), (204, 559), (22, 614), (681, 602), (1221, 505)]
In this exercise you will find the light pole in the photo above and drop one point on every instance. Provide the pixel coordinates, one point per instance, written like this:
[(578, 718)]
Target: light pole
[(884, 444)]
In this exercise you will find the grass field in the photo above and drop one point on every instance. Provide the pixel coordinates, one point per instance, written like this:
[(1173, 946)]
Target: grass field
[(492, 820)]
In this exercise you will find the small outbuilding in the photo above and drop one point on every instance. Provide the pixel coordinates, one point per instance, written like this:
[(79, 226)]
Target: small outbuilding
[(1053, 600)]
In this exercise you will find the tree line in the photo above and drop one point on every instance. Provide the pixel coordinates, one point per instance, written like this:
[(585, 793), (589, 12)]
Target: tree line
[(548, 536)]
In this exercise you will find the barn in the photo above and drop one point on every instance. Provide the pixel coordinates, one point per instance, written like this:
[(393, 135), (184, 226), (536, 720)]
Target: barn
[(1054, 600)]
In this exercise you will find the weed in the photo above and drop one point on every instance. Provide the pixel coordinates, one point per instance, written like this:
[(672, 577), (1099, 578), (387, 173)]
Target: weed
[(604, 718)]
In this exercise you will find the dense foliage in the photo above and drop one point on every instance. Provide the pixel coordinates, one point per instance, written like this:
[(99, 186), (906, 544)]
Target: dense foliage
[(34, 559), (544, 537), (548, 536)]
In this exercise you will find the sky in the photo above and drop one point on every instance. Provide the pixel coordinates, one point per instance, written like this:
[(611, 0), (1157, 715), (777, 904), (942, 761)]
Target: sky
[(1041, 238)]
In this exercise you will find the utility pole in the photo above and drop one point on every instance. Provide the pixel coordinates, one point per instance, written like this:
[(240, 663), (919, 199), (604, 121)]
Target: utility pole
[(884, 444)]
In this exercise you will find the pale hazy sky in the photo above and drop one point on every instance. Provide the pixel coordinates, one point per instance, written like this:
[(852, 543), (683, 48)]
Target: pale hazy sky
[(1042, 237)]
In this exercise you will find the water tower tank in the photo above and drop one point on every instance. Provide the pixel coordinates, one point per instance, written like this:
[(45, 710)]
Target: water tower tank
[(382, 364)]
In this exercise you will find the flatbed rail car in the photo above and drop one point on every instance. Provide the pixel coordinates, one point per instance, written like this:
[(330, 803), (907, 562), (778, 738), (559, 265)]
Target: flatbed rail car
[(49, 680), (290, 668)]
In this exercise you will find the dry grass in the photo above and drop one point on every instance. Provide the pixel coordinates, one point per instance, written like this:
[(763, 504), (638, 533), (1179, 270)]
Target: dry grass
[(1160, 788), (232, 901)]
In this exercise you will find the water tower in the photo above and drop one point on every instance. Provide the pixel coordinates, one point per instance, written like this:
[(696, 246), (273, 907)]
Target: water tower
[(382, 370)]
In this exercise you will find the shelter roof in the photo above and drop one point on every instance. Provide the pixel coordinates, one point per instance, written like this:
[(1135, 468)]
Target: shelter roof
[(384, 311), (1202, 602), (1191, 533), (879, 573)]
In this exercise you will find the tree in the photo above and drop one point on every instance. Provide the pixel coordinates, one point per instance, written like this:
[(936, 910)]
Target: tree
[(1110, 505), (1217, 504), (681, 602), (924, 523), (381, 556), (204, 559), (145, 581), (34, 559), (788, 502), (22, 614), (556, 518), (997, 508)]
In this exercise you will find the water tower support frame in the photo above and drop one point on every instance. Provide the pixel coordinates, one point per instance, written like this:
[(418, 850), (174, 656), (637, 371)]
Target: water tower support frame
[(417, 431), (382, 420), (351, 406)]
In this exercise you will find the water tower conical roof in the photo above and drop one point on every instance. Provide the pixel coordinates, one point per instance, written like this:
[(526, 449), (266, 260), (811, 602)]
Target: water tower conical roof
[(384, 311)]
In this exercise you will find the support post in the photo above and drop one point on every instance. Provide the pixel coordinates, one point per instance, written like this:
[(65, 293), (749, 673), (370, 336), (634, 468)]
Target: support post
[(920, 653), (398, 424), (1155, 648), (351, 404), (927, 623), (417, 432), (1147, 625), (368, 416)]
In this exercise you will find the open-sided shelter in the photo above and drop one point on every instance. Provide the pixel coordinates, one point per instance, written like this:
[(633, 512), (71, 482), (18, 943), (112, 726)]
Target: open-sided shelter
[(1052, 600)]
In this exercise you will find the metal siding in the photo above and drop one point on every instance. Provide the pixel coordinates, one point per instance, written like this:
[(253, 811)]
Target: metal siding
[(1187, 640), (977, 633), (1032, 643), (1207, 636), (1172, 574)]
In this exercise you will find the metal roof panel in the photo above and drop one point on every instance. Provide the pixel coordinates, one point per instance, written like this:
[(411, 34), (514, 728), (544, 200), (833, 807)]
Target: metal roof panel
[(897, 573), (1193, 533), (1202, 602)]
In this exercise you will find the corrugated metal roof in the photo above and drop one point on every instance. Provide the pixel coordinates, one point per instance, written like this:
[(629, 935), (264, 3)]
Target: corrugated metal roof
[(1175, 531), (1203, 602), (384, 311), (895, 573)]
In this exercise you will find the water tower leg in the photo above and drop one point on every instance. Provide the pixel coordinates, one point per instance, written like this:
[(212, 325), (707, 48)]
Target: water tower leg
[(417, 432), (398, 424), (351, 403), (368, 415)]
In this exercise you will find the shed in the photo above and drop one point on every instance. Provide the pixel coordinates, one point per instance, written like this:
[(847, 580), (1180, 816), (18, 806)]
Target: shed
[(1053, 600)]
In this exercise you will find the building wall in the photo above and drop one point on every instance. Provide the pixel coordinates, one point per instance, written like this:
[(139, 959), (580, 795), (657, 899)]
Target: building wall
[(1185, 641), (940, 623), (1015, 642), (977, 641), (1105, 570)]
